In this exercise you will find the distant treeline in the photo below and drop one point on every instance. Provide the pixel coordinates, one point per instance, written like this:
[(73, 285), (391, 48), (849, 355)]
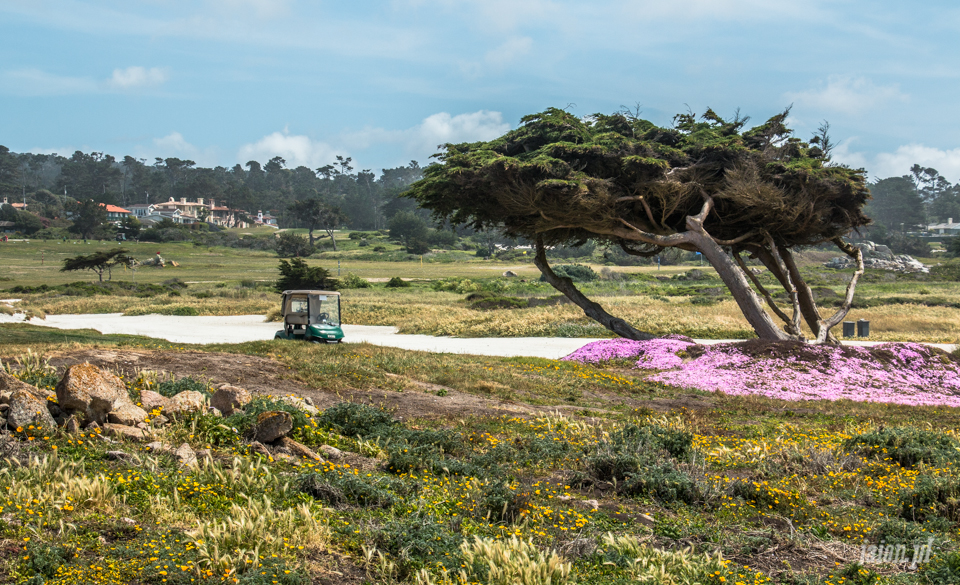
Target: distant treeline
[(49, 181)]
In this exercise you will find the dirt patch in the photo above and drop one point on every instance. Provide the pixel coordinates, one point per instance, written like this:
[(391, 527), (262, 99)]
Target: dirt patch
[(262, 375)]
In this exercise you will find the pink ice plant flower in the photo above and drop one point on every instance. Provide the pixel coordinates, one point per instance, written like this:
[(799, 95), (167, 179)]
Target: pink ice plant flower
[(898, 373)]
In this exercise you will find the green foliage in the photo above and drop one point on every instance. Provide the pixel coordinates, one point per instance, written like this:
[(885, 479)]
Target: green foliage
[(952, 245), (351, 280), (170, 388), (415, 542), (575, 272), (906, 446), (295, 274), (357, 420), (943, 569), (43, 560), (337, 489), (397, 282), (98, 262), (291, 245), (931, 496)]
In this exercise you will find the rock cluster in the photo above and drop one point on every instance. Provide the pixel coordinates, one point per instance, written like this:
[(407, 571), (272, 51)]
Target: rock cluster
[(93, 399), (879, 257)]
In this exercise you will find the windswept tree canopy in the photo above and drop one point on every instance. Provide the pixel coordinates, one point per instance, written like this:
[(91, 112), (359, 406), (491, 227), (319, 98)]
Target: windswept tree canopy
[(570, 179), (706, 184)]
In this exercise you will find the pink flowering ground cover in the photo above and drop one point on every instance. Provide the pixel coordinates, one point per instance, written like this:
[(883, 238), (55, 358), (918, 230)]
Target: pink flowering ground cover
[(900, 373)]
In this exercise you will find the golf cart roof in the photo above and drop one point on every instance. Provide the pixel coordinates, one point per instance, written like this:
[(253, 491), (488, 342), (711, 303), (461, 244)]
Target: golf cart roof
[(310, 292)]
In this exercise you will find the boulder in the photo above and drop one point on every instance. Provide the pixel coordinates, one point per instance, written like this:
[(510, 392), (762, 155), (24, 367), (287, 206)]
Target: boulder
[(509, 274), (127, 414), (185, 455), (230, 399), (272, 425), (298, 449), (300, 404), (331, 452), (9, 384), (71, 425), (260, 449), (189, 401), (214, 412), (128, 458), (91, 392), (152, 401), (26, 410), (124, 432)]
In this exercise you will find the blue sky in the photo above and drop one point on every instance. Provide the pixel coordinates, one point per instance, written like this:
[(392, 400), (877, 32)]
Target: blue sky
[(227, 81)]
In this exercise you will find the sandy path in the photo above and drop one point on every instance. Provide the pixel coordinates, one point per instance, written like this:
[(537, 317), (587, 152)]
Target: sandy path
[(240, 328)]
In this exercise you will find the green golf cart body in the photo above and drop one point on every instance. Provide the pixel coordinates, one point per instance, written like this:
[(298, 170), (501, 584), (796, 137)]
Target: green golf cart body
[(311, 315)]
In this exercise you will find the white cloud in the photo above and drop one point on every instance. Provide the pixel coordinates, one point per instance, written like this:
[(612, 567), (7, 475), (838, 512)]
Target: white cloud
[(895, 164), (846, 94), (175, 145), (136, 77), (442, 128), (296, 150), (421, 141), (35, 82)]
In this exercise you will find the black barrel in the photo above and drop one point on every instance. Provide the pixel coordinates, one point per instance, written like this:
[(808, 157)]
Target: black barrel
[(863, 328), (849, 328)]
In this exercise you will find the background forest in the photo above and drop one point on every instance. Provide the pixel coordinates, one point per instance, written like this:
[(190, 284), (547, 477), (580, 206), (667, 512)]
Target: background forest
[(902, 207)]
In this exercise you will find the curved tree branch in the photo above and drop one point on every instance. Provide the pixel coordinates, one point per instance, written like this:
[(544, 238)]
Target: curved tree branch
[(827, 324), (590, 308), (763, 291)]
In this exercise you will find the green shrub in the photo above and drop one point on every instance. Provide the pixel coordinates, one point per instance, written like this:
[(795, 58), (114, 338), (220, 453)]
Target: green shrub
[(397, 282), (943, 569), (575, 272), (43, 560), (295, 274), (415, 542), (336, 489), (931, 496), (356, 420), (351, 280), (899, 531), (171, 388), (906, 446), (663, 481)]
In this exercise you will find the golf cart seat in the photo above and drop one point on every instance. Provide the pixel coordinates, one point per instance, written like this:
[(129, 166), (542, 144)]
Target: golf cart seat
[(297, 319)]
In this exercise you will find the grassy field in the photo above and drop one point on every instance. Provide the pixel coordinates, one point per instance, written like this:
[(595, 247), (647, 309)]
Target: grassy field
[(612, 479), (229, 281)]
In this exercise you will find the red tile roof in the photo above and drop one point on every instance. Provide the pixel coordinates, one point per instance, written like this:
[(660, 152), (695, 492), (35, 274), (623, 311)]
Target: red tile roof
[(115, 209)]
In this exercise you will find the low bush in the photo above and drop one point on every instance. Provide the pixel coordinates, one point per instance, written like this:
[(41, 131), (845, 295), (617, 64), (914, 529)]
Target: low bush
[(575, 272), (172, 387), (351, 280), (511, 561), (931, 496), (906, 446), (943, 569), (338, 489), (397, 282)]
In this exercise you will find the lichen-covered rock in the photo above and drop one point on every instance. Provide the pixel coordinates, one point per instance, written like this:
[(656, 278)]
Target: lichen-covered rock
[(189, 401), (272, 425), (300, 404), (124, 432), (230, 399), (91, 392), (127, 414), (331, 452), (26, 410), (151, 402), (185, 455), (260, 449), (9, 384)]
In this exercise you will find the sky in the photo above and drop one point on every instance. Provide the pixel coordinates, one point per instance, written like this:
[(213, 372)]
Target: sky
[(223, 82)]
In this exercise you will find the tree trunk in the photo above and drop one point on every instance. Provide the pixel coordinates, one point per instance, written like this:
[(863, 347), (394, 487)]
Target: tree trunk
[(731, 275), (332, 239), (590, 308), (310, 235)]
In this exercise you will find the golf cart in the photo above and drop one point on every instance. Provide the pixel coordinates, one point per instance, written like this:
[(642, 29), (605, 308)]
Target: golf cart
[(311, 315)]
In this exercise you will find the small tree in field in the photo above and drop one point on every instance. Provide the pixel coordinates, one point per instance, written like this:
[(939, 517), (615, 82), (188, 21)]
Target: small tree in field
[(705, 185), (295, 274), (99, 262)]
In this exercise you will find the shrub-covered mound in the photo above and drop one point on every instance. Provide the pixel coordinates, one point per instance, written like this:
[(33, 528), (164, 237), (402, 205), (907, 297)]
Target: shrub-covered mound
[(901, 373)]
